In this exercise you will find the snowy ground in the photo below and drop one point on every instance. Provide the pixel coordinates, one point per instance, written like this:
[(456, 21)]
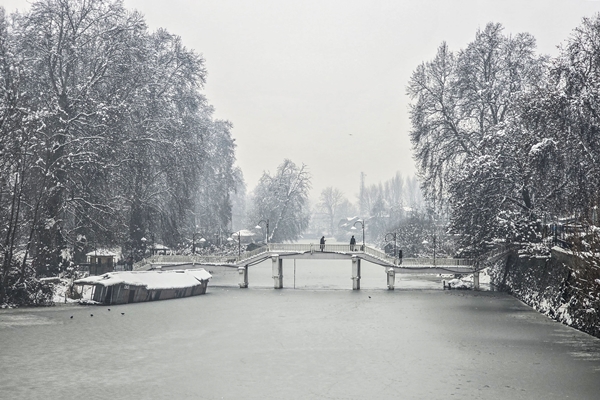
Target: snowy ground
[(63, 288)]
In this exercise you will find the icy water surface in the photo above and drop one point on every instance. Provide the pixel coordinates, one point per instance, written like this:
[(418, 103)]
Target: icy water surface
[(330, 274), (320, 341)]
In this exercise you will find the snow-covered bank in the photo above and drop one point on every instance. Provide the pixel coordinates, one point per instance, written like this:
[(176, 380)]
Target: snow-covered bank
[(64, 292), (563, 285)]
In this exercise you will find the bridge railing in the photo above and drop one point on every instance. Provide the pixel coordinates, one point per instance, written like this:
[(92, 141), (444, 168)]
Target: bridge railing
[(358, 248), (165, 259), (249, 254), (379, 254), (302, 248), (455, 262)]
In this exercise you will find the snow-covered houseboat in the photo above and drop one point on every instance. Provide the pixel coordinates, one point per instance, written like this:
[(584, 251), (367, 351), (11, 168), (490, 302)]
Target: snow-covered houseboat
[(137, 286)]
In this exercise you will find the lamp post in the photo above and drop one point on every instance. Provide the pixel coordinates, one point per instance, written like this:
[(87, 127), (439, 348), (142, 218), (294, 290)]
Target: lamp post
[(239, 240), (202, 240), (143, 240), (266, 222), (434, 223), (425, 243), (434, 247), (362, 224), (395, 242)]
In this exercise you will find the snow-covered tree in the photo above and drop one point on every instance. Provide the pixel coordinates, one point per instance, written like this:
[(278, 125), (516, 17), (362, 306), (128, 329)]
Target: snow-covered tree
[(465, 132), (105, 136), (218, 181), (329, 202), (17, 133), (72, 50), (282, 199), (565, 113), (238, 202)]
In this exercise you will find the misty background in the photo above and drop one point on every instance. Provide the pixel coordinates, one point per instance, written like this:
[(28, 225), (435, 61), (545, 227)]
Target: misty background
[(323, 82)]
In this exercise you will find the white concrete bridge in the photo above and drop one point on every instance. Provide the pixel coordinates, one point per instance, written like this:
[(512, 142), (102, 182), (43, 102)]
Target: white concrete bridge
[(278, 252)]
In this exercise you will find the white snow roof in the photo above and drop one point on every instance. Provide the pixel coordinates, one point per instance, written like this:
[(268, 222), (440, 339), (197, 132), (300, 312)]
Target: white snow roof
[(243, 233), (151, 280)]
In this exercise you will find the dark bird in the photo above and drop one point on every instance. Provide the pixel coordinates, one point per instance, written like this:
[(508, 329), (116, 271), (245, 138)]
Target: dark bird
[(71, 317), (109, 309), (122, 313), (369, 296), (91, 315)]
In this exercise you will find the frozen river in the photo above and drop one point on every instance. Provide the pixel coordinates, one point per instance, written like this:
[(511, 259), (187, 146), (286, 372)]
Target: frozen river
[(319, 341)]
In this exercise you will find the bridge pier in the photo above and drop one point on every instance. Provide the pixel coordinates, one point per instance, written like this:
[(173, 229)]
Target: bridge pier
[(391, 278), (476, 280), (277, 272), (355, 273), (243, 271)]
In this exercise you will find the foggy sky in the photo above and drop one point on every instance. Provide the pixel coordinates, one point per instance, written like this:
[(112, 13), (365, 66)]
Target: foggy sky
[(322, 82)]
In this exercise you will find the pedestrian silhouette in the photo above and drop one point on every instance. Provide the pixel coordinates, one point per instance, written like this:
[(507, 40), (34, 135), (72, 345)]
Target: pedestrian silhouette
[(129, 263), (322, 243), (352, 243)]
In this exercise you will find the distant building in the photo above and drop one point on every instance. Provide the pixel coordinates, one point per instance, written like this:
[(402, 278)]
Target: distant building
[(101, 261), (244, 235), (159, 250)]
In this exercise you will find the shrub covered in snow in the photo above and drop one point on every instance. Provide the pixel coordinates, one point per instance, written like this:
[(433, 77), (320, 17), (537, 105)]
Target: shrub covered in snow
[(22, 288)]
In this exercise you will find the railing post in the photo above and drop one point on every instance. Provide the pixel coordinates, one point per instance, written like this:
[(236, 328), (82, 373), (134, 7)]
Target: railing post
[(355, 273), (243, 271), (277, 272), (391, 278)]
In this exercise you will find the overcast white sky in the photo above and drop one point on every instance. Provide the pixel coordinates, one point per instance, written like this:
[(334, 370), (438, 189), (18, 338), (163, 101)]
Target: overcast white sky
[(322, 82)]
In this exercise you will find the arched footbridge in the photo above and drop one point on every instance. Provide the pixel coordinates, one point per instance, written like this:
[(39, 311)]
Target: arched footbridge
[(278, 252)]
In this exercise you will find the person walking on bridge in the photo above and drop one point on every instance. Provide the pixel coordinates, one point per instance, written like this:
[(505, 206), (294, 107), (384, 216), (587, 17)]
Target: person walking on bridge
[(352, 243), (322, 243)]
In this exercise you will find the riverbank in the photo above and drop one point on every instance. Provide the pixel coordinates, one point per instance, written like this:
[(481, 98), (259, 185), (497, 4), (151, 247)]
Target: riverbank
[(561, 284)]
